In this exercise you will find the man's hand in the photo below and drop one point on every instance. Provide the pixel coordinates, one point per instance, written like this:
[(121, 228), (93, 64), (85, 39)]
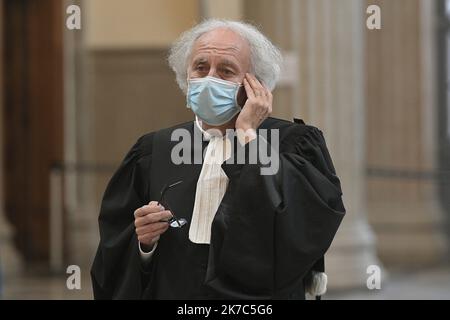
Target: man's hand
[(149, 224), (258, 106)]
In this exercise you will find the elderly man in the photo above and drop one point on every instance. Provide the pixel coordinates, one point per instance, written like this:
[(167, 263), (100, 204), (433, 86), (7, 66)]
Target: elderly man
[(220, 227)]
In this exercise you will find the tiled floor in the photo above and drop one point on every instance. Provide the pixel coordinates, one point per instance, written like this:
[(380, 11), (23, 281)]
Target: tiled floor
[(429, 284), (45, 288), (433, 284)]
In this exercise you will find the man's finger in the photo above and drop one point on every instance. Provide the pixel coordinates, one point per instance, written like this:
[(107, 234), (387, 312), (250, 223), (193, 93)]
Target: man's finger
[(151, 227), (267, 92), (254, 83), (147, 209), (158, 216), (248, 90), (152, 218), (147, 237), (258, 89)]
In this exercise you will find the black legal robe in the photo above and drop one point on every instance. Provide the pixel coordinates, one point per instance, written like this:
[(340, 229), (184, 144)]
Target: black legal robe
[(268, 231)]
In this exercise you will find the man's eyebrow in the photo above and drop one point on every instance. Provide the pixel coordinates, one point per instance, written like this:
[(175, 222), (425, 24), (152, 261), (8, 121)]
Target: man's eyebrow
[(229, 63), (200, 60), (223, 62)]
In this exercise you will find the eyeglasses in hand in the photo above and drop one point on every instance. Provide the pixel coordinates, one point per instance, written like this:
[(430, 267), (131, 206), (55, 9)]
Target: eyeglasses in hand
[(174, 222)]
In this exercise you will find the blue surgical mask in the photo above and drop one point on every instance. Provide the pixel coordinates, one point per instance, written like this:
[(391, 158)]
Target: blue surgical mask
[(213, 100)]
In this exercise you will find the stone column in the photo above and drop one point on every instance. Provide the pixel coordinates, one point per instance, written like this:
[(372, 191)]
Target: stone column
[(327, 39), (402, 135), (10, 260), (332, 97), (77, 185)]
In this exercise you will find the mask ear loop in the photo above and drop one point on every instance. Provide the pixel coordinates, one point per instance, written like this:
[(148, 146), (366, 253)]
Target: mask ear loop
[(187, 91)]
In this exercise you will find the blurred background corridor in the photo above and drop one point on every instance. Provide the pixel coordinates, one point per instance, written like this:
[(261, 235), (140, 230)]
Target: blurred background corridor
[(72, 103)]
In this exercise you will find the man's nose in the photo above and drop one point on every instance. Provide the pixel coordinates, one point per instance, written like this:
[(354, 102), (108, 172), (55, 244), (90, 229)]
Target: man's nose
[(213, 73)]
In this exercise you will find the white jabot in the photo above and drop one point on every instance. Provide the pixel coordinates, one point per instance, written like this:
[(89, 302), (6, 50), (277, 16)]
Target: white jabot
[(211, 186)]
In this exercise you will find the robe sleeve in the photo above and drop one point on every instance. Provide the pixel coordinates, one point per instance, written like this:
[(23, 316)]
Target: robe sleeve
[(117, 271), (271, 229)]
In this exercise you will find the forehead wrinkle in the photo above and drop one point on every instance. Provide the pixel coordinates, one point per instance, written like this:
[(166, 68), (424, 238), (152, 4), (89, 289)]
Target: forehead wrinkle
[(199, 56), (233, 49), (231, 57), (223, 60), (211, 46)]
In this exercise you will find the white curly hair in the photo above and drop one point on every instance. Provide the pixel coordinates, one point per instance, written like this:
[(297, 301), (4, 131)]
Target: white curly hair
[(265, 58)]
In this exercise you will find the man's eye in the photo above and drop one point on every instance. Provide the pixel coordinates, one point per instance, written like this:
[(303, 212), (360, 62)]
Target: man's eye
[(200, 68), (228, 72)]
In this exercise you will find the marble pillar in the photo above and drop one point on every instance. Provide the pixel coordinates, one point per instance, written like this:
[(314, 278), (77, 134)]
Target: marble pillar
[(328, 39), (402, 135), (10, 261)]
